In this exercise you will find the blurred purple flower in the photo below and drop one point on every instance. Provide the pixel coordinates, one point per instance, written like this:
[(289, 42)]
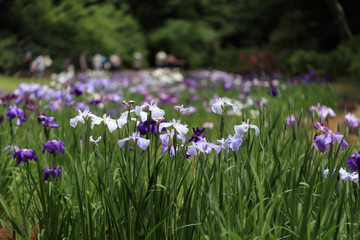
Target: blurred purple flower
[(353, 162), (9, 97), (54, 171), (24, 154), (53, 146), (95, 102), (272, 90), (48, 121), (322, 142), (14, 112), (351, 120), (322, 110), (290, 121), (76, 91)]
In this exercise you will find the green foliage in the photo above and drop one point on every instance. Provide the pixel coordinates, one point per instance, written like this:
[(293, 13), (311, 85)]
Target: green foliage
[(345, 59), (191, 41), (69, 27), (302, 61), (11, 54)]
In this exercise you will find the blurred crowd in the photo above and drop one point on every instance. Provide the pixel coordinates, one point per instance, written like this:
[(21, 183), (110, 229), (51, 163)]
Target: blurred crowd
[(38, 67)]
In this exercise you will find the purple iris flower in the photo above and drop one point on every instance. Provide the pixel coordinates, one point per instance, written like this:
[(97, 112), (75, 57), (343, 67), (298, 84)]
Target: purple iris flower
[(322, 110), (76, 91), (351, 120), (24, 154), (95, 102), (290, 121), (48, 121), (321, 127), (54, 171), (143, 127), (322, 142), (272, 90), (353, 162), (9, 97), (14, 112), (53, 146), (197, 135)]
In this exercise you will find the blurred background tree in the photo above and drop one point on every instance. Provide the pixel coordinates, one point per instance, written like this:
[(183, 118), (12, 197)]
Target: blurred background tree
[(322, 35)]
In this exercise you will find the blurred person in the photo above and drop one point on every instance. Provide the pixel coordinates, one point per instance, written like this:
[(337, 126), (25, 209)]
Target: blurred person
[(48, 63), (26, 62), (83, 62), (137, 61), (68, 64), (172, 61), (38, 65), (160, 59), (106, 63), (116, 62), (97, 61)]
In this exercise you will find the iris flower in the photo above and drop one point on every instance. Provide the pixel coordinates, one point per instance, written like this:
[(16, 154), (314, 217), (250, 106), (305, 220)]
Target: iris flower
[(290, 121), (322, 110), (139, 141), (53, 146), (82, 117), (94, 142), (202, 146), (240, 130), (180, 128), (234, 142), (156, 112), (353, 162), (48, 121), (24, 154), (107, 120), (197, 135), (219, 106), (181, 109), (14, 112), (54, 171), (351, 120), (139, 112), (123, 119), (344, 175), (322, 142), (143, 127)]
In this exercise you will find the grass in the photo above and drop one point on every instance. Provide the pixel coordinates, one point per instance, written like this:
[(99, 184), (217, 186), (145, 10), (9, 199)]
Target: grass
[(9, 83)]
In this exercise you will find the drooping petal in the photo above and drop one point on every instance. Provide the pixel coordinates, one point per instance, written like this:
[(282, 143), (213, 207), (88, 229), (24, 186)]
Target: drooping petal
[(143, 143), (121, 142), (257, 130)]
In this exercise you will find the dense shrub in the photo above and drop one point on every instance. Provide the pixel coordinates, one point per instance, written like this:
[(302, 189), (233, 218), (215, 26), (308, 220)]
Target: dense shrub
[(192, 42)]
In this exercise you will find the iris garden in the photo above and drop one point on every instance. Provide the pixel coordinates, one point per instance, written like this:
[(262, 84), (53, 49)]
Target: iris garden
[(161, 155)]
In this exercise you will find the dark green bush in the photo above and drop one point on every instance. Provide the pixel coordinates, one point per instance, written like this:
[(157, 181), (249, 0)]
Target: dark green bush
[(194, 42)]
